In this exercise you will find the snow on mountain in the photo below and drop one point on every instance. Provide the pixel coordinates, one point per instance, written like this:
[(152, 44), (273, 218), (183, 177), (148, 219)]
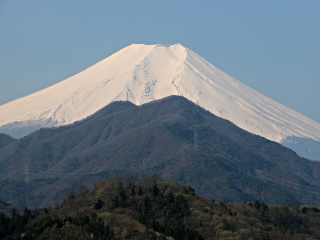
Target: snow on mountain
[(142, 73)]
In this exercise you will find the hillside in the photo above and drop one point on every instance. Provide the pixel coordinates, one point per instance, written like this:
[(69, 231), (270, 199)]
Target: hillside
[(6, 208), (173, 138), (129, 207), (5, 140)]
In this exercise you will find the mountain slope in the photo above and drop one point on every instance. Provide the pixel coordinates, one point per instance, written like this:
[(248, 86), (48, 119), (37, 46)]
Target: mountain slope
[(5, 140), (171, 137), (143, 73)]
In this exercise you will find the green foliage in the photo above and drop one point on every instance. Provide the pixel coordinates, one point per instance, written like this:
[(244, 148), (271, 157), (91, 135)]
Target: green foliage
[(140, 192), (98, 204), (155, 190), (162, 210)]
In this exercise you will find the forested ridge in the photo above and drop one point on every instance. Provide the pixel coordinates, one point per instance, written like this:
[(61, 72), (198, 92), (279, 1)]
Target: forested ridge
[(132, 207), (173, 138)]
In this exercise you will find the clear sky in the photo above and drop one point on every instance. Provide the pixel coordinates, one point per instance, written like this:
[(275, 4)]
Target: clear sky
[(272, 46)]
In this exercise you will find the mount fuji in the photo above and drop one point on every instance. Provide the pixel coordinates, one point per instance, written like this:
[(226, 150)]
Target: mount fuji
[(143, 73)]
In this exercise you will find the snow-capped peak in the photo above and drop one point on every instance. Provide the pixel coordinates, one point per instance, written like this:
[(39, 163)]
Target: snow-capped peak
[(142, 73)]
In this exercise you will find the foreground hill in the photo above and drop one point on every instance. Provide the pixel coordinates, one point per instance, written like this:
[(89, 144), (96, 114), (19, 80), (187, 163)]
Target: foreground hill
[(128, 207), (171, 137), (143, 73)]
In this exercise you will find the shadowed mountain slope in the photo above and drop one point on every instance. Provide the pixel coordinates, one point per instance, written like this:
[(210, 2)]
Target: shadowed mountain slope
[(171, 137), (5, 140)]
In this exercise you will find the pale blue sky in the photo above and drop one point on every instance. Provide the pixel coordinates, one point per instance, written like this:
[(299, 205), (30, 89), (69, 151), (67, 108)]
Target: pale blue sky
[(272, 46)]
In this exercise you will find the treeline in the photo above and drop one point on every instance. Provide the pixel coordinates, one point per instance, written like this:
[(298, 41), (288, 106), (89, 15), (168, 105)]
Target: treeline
[(131, 207)]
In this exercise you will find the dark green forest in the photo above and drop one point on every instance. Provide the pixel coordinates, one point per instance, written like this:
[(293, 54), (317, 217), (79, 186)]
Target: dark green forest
[(150, 207)]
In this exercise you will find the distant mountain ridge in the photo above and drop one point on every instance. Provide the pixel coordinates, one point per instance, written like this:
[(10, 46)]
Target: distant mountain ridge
[(143, 73), (171, 137)]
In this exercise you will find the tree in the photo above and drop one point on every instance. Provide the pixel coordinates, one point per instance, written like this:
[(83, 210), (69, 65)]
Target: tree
[(99, 204), (155, 190)]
